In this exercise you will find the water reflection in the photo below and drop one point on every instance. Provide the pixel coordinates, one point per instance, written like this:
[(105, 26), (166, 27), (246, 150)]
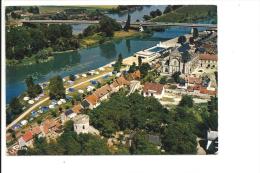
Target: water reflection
[(108, 50)]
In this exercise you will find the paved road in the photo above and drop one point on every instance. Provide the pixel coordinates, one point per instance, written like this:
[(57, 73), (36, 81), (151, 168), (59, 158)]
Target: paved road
[(23, 115)]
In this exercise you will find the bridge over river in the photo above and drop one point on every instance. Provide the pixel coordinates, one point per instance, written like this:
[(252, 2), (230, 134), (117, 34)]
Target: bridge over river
[(133, 24)]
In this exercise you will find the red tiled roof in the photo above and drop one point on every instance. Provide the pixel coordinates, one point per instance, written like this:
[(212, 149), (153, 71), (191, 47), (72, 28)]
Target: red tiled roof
[(205, 91), (194, 80), (92, 99), (135, 75), (102, 91), (77, 108), (27, 136), (36, 130), (122, 81), (210, 57), (49, 123), (154, 87)]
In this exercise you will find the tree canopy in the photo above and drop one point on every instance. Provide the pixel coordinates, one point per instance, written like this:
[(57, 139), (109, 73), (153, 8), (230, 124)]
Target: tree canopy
[(56, 88)]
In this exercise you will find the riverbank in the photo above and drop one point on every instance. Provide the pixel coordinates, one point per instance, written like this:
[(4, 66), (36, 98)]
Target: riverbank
[(86, 42), (97, 39)]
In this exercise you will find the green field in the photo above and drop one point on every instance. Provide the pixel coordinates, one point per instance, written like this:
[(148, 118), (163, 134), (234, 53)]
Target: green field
[(190, 13)]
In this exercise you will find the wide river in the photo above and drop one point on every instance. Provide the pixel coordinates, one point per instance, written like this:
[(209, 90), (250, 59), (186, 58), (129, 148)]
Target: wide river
[(85, 59)]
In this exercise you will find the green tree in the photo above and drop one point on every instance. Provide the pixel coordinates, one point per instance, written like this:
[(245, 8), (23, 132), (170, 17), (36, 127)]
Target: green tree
[(56, 88), (195, 33), (182, 39), (185, 57), (141, 145), (16, 106), (132, 68), (119, 63), (95, 146), (186, 101), (108, 26), (176, 76), (163, 80), (69, 126), (72, 77), (178, 139), (168, 9), (144, 68), (53, 33), (147, 17), (91, 30), (127, 24), (139, 61), (66, 31), (30, 87)]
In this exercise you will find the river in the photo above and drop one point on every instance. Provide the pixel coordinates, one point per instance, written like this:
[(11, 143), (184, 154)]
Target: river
[(85, 59)]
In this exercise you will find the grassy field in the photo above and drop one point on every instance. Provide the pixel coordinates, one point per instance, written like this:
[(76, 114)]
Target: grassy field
[(190, 13), (54, 9), (96, 38)]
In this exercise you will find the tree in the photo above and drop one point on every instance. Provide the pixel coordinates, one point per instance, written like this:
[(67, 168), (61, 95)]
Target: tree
[(147, 17), (163, 80), (90, 30), (182, 39), (69, 126), (108, 26), (16, 106), (132, 68), (118, 64), (178, 139), (72, 77), (144, 68), (176, 76), (95, 146), (30, 87), (195, 33), (141, 145), (158, 12), (186, 101), (168, 9), (139, 61), (185, 57), (127, 24), (53, 33), (34, 10), (153, 14), (42, 54), (56, 88), (66, 30)]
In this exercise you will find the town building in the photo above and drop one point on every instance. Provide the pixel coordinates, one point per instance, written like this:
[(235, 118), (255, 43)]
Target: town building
[(119, 83), (81, 125), (173, 63), (91, 101), (153, 89), (103, 92), (26, 140), (208, 60)]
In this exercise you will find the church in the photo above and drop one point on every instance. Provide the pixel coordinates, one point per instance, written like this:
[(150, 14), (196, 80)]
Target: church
[(173, 63)]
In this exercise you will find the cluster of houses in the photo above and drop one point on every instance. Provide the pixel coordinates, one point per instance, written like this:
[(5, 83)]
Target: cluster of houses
[(93, 100)]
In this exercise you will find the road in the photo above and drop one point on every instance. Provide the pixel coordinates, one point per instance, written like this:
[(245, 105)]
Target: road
[(23, 115)]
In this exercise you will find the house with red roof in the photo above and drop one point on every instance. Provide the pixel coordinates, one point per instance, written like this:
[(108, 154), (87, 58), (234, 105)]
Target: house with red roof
[(91, 101), (119, 83), (208, 60), (103, 92), (26, 139), (153, 89)]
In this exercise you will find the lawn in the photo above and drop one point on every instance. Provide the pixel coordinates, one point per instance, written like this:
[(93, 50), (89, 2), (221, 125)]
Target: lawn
[(190, 13)]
